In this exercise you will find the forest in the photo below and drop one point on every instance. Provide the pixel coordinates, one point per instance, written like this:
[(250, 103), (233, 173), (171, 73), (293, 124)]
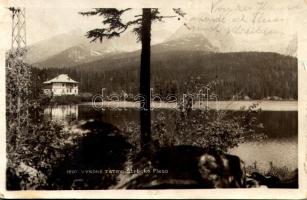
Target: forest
[(248, 75)]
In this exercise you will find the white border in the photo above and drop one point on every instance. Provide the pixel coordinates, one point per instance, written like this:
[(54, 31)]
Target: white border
[(301, 21)]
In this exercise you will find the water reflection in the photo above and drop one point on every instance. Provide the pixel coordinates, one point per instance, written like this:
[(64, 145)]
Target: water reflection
[(62, 112)]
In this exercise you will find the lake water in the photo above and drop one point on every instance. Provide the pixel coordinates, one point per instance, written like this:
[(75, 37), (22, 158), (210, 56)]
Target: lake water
[(281, 127)]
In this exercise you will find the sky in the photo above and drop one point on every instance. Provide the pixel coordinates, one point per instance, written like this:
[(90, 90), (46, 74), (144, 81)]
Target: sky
[(50, 19), (43, 23)]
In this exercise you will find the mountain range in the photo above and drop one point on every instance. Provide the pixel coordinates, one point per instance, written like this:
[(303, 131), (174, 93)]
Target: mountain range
[(185, 55), (73, 48)]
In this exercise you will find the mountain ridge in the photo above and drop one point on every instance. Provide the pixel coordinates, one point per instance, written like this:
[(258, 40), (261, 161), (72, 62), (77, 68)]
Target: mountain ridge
[(195, 42)]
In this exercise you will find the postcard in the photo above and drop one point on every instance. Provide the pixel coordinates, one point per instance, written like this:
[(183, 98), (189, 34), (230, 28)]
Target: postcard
[(153, 99)]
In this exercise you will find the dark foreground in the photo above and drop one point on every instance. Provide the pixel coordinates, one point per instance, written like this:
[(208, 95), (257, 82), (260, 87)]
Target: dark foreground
[(105, 160)]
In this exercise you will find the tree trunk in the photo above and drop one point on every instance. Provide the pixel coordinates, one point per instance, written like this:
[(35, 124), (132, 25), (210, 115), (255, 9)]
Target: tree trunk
[(145, 118)]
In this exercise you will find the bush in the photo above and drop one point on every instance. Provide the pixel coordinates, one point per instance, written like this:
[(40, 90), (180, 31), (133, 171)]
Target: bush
[(34, 153), (34, 145), (101, 148), (207, 128)]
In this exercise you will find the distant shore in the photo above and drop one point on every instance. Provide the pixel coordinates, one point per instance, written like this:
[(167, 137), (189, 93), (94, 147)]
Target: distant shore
[(264, 105)]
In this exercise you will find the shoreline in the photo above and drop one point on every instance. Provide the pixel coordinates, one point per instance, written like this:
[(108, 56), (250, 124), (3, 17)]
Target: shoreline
[(220, 105)]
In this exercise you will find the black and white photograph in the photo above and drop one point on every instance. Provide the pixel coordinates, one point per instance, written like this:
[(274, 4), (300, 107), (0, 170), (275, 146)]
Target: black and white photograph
[(189, 95)]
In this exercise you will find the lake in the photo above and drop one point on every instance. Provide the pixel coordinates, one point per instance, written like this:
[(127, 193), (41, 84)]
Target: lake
[(281, 127)]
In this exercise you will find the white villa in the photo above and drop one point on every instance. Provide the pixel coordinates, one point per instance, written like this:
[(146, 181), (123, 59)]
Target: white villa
[(61, 85)]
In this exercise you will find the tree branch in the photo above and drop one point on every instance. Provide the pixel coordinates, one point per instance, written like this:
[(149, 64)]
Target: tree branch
[(104, 11), (113, 21), (179, 12), (112, 18)]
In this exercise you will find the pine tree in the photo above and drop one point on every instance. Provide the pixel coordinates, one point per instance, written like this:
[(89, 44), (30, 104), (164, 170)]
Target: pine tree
[(115, 26)]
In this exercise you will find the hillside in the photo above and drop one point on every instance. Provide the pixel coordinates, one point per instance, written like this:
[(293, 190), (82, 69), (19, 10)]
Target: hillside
[(42, 50), (253, 74), (74, 48), (82, 54), (75, 55)]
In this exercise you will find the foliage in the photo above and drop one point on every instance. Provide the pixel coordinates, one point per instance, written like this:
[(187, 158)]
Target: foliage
[(220, 130), (268, 74), (206, 128), (17, 88), (115, 25), (101, 148), (132, 131), (37, 151), (34, 146)]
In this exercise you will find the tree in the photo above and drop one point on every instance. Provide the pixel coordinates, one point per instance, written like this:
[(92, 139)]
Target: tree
[(115, 26)]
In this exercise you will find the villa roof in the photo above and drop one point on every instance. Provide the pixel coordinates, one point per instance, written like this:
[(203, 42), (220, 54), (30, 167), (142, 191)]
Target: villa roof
[(62, 78)]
